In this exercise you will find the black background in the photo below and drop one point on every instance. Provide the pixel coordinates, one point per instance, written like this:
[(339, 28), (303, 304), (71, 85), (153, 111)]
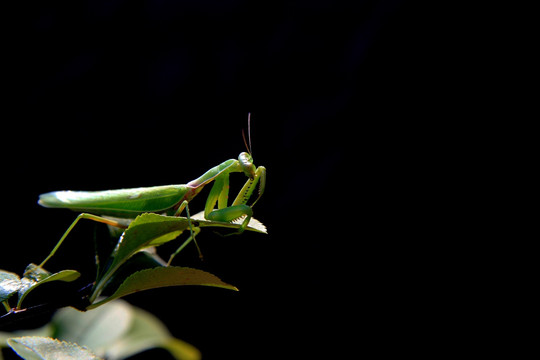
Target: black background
[(120, 94)]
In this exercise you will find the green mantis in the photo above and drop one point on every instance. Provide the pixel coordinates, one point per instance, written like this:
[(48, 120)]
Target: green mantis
[(170, 200)]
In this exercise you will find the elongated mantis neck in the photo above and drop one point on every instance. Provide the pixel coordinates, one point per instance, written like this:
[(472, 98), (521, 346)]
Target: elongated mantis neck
[(230, 165)]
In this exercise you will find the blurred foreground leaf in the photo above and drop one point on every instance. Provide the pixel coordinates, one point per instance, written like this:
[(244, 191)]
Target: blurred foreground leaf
[(115, 331), (96, 329), (144, 332)]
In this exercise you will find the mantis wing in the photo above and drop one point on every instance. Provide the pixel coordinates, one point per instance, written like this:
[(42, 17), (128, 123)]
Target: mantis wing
[(125, 203)]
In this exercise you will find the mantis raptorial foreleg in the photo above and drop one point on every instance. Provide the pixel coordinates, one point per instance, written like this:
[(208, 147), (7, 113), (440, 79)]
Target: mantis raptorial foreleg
[(248, 188), (238, 209)]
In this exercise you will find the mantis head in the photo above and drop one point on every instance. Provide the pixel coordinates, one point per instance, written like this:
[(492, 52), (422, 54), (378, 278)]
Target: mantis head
[(246, 163)]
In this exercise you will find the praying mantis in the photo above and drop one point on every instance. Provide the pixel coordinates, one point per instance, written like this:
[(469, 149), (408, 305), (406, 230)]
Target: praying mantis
[(169, 200)]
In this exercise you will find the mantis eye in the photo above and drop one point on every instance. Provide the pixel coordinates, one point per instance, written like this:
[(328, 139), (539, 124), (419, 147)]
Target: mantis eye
[(246, 162)]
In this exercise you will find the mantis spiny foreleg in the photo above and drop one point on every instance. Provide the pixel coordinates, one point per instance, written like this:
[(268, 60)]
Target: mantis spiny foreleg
[(239, 207)]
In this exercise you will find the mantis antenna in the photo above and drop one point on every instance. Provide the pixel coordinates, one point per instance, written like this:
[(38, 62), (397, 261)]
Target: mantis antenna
[(248, 143)]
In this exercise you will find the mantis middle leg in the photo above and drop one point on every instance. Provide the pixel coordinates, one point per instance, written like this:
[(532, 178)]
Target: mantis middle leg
[(183, 206)]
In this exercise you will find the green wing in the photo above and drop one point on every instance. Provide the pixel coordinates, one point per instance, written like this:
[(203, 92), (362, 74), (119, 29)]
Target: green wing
[(121, 203)]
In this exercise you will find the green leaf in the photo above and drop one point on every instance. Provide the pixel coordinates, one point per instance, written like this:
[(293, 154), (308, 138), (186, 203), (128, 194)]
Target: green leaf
[(44, 348), (152, 229), (163, 277), (145, 231), (35, 276), (10, 284)]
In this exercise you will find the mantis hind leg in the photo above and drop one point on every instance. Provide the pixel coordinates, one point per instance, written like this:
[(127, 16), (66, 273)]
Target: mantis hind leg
[(81, 216)]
